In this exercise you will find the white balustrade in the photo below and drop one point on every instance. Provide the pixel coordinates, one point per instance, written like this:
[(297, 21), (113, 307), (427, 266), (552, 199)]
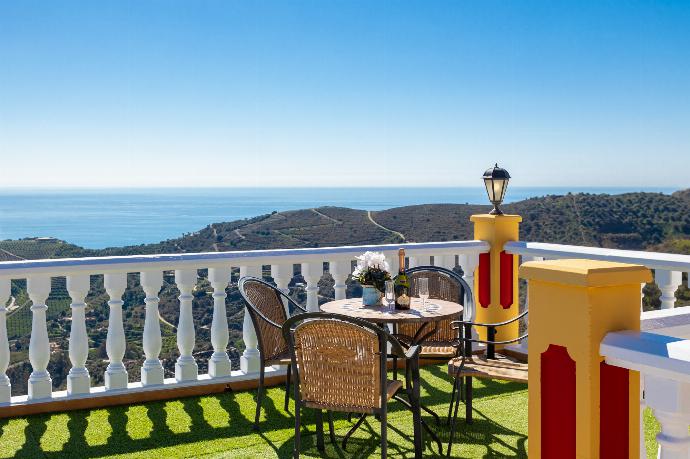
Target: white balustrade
[(186, 368), (115, 343), (78, 379), (340, 270), (38, 274), (5, 386), (152, 369), (219, 364), (312, 273), (668, 282), (40, 383), (445, 261)]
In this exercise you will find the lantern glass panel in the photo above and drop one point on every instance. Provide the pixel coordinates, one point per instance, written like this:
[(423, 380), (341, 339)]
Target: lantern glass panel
[(489, 184)]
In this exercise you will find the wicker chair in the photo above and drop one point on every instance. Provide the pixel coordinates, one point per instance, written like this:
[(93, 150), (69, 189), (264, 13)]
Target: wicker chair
[(504, 365), (266, 306), (443, 344), (341, 366)]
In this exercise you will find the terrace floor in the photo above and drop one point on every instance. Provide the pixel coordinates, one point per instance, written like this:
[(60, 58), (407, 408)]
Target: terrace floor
[(221, 426)]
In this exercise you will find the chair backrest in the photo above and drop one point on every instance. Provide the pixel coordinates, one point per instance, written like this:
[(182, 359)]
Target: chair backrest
[(266, 308), (341, 361), (444, 284)]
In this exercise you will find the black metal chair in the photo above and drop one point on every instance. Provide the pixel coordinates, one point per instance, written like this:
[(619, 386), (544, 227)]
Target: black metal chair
[(503, 365), (340, 365), (443, 343), (266, 306)]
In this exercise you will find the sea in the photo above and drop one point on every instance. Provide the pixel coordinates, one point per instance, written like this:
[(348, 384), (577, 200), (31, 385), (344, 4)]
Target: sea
[(99, 218)]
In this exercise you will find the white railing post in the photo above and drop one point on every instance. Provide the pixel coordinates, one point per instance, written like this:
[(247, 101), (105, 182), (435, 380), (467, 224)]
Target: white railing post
[(78, 379), (40, 383), (219, 364), (250, 362), (5, 386), (340, 269), (419, 260), (186, 368), (670, 401), (668, 282), (444, 261), (282, 274), (152, 370), (115, 343), (312, 273)]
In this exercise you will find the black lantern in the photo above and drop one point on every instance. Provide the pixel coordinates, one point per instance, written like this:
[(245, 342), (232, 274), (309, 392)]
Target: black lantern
[(496, 183)]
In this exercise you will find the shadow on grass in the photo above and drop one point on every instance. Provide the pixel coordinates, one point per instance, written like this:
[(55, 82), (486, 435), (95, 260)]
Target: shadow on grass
[(482, 432)]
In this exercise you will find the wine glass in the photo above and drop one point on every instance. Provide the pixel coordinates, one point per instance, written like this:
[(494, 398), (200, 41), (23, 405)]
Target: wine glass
[(390, 293), (423, 290)]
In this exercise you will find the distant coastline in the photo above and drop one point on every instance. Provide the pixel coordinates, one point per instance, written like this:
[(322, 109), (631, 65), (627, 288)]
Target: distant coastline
[(98, 218)]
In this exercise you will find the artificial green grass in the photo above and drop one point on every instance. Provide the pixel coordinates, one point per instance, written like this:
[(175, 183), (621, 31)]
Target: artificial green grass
[(221, 426)]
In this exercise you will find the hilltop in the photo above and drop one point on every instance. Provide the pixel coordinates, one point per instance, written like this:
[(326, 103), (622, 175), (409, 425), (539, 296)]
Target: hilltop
[(642, 221)]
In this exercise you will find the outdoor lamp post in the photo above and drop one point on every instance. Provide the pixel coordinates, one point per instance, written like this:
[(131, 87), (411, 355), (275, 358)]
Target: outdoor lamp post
[(496, 183)]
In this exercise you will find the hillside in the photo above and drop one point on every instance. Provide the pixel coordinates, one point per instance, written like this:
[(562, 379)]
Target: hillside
[(647, 221)]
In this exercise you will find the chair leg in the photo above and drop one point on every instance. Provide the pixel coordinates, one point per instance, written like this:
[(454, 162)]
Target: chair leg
[(352, 430), (298, 431), (454, 420), (395, 368), (331, 428), (384, 433), (452, 400), (287, 386), (319, 431), (435, 416), (259, 396), (468, 400)]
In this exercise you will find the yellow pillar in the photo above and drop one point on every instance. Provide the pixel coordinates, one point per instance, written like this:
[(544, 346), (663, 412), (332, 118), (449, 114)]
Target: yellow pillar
[(580, 407), (496, 277)]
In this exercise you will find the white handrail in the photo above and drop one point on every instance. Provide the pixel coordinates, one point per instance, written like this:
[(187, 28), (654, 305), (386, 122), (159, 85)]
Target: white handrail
[(652, 260), (65, 266)]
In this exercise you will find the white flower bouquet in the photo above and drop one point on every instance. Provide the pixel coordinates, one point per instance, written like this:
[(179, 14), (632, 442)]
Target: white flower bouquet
[(372, 269)]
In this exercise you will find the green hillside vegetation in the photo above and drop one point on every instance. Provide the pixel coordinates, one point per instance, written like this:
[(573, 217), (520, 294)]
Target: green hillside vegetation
[(640, 221)]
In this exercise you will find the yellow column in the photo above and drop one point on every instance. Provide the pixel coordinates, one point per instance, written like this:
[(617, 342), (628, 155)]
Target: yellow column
[(496, 277), (580, 407)]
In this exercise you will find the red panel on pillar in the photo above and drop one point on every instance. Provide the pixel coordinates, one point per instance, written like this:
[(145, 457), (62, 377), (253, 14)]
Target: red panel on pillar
[(484, 282), (557, 404), (506, 280), (614, 440)]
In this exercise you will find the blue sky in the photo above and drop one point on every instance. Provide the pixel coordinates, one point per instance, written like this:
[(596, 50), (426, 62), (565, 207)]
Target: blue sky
[(343, 93)]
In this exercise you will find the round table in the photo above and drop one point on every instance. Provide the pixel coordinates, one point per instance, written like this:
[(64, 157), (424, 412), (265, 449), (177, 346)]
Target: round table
[(382, 314), (440, 310)]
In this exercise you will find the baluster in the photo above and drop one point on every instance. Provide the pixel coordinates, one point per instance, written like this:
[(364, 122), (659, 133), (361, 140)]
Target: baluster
[(392, 259), (152, 370), (249, 362), (469, 263), (219, 365), (5, 386), (419, 260), (40, 383), (115, 343), (340, 270), (282, 274), (78, 379), (668, 282), (670, 401), (444, 261), (186, 368), (312, 273)]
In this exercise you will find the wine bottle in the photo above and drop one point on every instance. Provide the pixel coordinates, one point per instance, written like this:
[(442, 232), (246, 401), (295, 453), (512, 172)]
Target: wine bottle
[(402, 285)]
